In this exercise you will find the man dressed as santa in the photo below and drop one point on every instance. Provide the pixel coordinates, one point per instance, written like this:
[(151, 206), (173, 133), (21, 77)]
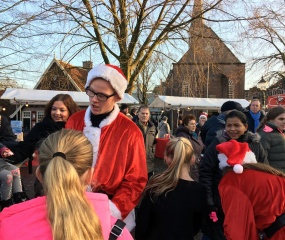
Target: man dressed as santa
[(119, 158)]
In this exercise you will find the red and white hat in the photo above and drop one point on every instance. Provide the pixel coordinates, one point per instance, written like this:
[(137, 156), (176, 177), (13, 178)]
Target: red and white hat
[(233, 153), (204, 115), (110, 73)]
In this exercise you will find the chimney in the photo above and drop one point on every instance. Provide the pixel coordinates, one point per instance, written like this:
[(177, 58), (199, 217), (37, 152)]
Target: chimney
[(87, 65)]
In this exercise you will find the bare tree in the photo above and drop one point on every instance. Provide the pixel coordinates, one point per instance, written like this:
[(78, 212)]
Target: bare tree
[(16, 23), (127, 32)]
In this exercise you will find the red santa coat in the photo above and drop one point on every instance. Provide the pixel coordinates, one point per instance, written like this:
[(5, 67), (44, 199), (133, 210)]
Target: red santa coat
[(119, 158), (251, 202)]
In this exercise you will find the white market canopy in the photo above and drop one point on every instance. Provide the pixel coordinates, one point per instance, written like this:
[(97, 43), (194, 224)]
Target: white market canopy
[(42, 97), (172, 102)]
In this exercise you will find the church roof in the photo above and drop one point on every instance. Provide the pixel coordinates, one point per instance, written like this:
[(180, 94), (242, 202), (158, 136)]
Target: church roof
[(210, 48)]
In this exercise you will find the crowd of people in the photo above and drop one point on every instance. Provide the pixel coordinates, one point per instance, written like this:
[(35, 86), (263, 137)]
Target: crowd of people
[(96, 178)]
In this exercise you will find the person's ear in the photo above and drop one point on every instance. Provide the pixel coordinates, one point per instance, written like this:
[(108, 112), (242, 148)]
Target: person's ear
[(39, 175)]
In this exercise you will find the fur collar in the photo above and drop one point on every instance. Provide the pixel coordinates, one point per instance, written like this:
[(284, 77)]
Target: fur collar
[(94, 133)]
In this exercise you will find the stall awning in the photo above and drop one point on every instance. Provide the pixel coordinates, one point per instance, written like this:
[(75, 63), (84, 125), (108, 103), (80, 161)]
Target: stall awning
[(42, 97), (193, 103)]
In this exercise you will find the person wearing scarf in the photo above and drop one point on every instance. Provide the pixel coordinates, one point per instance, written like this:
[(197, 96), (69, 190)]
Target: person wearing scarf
[(254, 115)]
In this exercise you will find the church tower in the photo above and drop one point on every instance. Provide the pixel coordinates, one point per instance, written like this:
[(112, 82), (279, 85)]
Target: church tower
[(208, 69)]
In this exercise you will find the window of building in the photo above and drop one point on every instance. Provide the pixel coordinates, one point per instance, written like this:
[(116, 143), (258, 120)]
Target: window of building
[(40, 116), (26, 114), (185, 89), (231, 89)]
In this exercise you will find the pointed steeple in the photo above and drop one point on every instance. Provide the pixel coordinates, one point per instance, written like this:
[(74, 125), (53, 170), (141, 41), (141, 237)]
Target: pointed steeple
[(197, 10)]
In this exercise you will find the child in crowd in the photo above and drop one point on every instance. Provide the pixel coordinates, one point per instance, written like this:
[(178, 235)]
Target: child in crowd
[(252, 195), (11, 190), (66, 211), (173, 205)]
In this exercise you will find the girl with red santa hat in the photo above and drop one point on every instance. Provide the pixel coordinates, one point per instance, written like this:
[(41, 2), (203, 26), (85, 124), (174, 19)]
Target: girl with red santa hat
[(252, 195), (210, 175)]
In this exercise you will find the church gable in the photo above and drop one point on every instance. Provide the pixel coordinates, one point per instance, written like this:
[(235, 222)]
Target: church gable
[(62, 76), (206, 46)]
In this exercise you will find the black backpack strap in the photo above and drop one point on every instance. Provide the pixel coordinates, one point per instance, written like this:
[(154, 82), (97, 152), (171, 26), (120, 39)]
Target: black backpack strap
[(117, 230)]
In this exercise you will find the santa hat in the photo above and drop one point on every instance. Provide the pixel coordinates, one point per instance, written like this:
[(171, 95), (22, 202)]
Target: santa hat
[(110, 73), (233, 153), (204, 115)]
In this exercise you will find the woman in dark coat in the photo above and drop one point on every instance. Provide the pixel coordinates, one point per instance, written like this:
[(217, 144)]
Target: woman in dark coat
[(57, 111), (210, 174), (187, 130), (272, 133)]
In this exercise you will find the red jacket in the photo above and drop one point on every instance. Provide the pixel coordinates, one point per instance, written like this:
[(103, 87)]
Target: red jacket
[(251, 201), (119, 158)]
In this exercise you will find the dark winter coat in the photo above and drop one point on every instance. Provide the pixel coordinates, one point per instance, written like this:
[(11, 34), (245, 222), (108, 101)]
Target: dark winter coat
[(250, 120), (211, 127), (198, 148), (149, 141), (6, 133), (210, 174), (39, 132), (273, 142)]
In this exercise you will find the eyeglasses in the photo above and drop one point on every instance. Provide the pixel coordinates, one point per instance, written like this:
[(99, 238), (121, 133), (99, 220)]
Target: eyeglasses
[(100, 96)]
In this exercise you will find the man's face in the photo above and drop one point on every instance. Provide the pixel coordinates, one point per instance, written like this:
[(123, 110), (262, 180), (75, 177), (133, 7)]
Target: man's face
[(99, 85), (255, 106), (144, 115)]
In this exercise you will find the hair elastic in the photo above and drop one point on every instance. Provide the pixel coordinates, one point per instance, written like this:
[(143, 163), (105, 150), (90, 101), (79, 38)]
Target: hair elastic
[(59, 154)]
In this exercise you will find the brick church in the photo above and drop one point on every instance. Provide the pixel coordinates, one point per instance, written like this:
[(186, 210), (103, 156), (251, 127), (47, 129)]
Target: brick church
[(208, 68)]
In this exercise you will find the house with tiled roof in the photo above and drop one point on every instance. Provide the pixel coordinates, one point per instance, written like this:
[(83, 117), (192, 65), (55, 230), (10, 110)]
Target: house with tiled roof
[(63, 76), (59, 76)]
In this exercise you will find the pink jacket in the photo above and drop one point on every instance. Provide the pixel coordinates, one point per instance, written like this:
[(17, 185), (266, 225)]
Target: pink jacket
[(28, 220)]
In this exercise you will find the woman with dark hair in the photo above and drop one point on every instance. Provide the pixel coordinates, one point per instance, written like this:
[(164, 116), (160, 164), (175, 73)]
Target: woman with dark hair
[(57, 111), (252, 213), (210, 174), (188, 130), (272, 132)]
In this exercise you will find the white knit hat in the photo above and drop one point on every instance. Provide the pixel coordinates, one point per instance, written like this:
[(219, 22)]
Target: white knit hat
[(110, 73)]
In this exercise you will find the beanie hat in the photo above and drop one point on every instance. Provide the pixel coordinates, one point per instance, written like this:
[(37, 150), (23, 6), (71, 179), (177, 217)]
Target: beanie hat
[(231, 105), (124, 106), (233, 153), (204, 115), (110, 73)]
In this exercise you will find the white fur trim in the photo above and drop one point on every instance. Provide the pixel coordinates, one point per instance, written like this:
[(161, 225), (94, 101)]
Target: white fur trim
[(93, 133), (110, 74), (223, 161), (249, 158), (238, 168), (115, 212), (130, 220)]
